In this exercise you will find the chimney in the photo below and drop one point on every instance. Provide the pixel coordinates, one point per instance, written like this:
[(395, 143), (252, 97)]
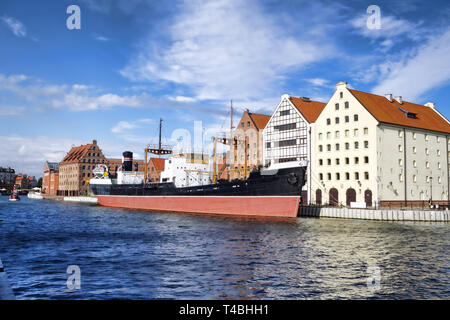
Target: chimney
[(389, 96), (429, 104), (341, 84), (305, 99), (399, 99)]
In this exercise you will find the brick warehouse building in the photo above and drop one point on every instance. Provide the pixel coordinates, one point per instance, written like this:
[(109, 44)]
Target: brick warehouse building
[(50, 180), (250, 130), (155, 167), (76, 169)]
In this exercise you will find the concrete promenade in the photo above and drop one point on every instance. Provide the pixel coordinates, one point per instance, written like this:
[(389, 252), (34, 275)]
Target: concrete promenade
[(381, 214)]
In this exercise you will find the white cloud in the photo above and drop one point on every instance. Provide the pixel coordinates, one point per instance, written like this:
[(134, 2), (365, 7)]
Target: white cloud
[(182, 99), (318, 82), (126, 126), (11, 111), (391, 27), (224, 49), (77, 97), (122, 126), (15, 26), (414, 75)]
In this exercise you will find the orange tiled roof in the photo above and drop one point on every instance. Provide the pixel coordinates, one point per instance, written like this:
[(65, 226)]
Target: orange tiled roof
[(76, 154), (308, 108), (389, 112), (158, 163), (260, 120)]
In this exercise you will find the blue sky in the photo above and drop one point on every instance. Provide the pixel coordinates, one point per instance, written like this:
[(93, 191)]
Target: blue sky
[(134, 61)]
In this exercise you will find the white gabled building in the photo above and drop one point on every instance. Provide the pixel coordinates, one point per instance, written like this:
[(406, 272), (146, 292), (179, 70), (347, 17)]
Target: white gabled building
[(187, 170), (379, 151), (286, 136)]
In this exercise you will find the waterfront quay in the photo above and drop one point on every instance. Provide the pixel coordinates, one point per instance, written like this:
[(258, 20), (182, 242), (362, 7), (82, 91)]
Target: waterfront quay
[(124, 254)]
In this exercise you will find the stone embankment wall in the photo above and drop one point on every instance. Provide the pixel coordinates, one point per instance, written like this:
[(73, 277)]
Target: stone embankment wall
[(382, 215)]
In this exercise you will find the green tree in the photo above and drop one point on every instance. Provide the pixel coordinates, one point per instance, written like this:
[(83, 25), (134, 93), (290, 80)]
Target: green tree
[(39, 183)]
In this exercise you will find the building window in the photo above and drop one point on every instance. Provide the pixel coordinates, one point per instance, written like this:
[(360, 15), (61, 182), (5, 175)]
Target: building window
[(328, 135), (400, 177), (426, 137), (347, 133), (337, 146), (320, 136), (346, 104), (356, 160), (336, 134), (328, 121), (414, 149), (347, 176), (242, 124), (366, 130), (355, 132), (366, 159), (337, 161), (438, 139), (366, 144), (320, 176), (320, 162), (338, 176), (329, 162), (427, 152), (356, 175), (400, 133), (336, 106), (400, 162), (400, 148), (285, 127), (347, 146), (355, 117), (414, 163), (439, 179), (328, 147), (336, 120), (347, 160), (414, 135), (347, 119), (356, 145), (438, 152), (285, 143), (427, 164), (268, 145), (284, 112), (320, 148), (439, 165), (414, 178), (341, 95), (329, 176), (366, 175)]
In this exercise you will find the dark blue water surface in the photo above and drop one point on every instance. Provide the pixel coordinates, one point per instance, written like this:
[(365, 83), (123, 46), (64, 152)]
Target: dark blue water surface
[(140, 255)]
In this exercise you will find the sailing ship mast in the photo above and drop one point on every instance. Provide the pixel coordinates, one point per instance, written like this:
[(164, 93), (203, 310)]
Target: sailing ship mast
[(158, 151)]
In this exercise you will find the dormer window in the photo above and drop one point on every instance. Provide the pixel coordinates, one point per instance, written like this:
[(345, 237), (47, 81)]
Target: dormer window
[(408, 114)]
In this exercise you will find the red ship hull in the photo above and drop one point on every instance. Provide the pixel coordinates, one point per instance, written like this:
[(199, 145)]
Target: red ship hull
[(266, 206)]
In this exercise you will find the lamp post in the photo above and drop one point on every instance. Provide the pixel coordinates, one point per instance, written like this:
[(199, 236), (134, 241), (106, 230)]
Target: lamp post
[(431, 190)]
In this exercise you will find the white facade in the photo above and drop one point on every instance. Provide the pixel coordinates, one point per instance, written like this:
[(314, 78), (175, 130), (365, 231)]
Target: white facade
[(356, 158), (187, 170), (286, 137)]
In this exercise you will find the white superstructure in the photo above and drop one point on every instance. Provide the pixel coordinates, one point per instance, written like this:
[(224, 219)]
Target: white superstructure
[(186, 170)]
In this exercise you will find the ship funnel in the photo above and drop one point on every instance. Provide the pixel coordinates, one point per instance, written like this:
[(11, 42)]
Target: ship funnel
[(127, 161)]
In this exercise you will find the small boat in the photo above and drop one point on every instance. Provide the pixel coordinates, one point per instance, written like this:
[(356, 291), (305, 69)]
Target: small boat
[(14, 196)]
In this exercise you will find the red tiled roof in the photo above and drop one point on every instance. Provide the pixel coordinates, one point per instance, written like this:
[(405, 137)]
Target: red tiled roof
[(76, 154), (158, 163), (308, 108), (389, 112), (260, 120)]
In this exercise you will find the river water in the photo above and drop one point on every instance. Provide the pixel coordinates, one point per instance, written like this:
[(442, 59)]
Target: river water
[(124, 254)]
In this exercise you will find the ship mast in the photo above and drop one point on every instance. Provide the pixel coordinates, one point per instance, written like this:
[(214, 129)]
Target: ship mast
[(158, 151)]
